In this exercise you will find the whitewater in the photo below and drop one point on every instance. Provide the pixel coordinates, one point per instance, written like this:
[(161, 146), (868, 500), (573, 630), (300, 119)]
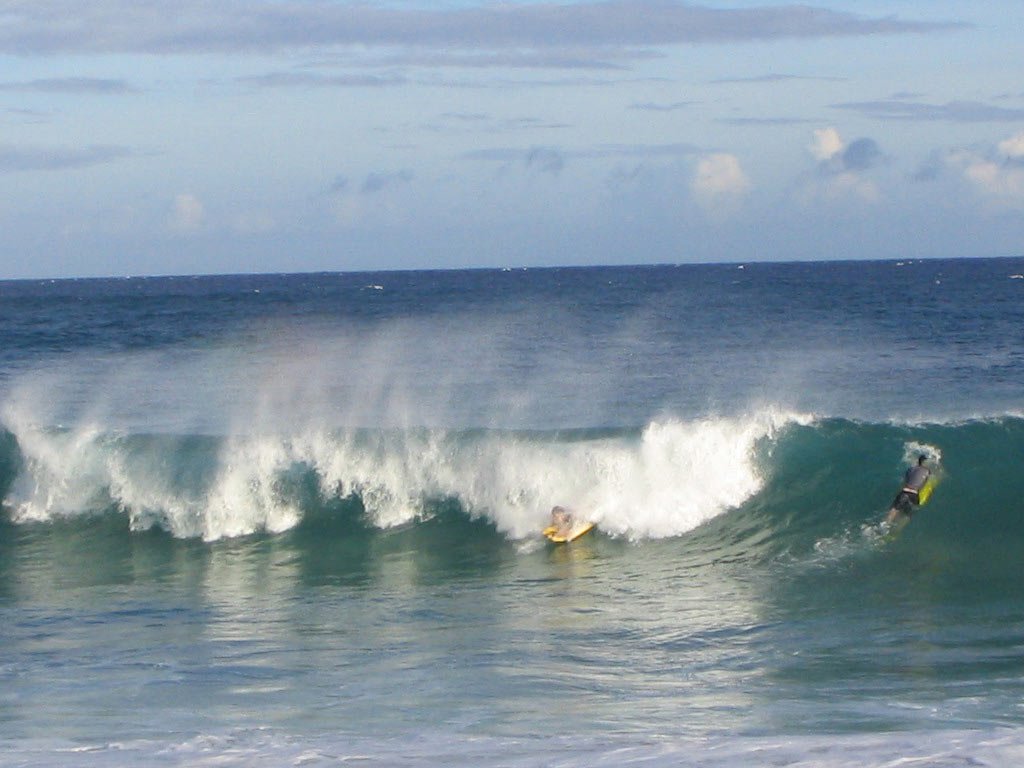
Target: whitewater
[(295, 519)]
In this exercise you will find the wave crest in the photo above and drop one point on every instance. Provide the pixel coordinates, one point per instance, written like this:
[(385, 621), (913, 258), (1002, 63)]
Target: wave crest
[(662, 480)]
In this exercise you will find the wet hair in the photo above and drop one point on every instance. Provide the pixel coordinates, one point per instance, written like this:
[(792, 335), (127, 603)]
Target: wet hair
[(921, 458)]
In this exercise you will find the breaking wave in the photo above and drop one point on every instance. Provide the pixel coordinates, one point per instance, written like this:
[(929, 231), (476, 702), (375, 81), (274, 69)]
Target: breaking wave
[(661, 480), (761, 485)]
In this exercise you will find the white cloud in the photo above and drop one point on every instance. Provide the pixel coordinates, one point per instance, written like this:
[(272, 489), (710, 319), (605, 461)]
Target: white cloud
[(841, 167), (838, 156), (827, 144), (1013, 147), (986, 175), (997, 175), (719, 183), (188, 213)]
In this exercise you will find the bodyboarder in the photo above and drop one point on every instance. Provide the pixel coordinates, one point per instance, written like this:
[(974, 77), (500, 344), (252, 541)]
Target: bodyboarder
[(561, 521), (909, 496)]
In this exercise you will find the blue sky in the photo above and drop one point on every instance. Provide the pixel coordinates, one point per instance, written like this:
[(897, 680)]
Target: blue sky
[(151, 137)]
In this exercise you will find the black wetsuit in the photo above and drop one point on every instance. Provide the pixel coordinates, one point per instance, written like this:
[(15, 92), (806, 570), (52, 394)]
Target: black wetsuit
[(909, 495)]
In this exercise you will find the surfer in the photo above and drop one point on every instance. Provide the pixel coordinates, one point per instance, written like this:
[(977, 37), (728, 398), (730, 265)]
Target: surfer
[(565, 526), (561, 521), (909, 496)]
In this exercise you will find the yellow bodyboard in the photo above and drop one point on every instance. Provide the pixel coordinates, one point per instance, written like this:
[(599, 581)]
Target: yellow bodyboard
[(577, 530), (926, 491)]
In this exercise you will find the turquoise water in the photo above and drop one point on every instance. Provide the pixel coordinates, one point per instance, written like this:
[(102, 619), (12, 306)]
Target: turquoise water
[(293, 520)]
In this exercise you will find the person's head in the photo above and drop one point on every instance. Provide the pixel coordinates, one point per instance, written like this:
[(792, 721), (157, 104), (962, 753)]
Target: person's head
[(921, 459)]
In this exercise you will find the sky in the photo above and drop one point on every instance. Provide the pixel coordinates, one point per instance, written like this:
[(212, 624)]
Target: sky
[(150, 137)]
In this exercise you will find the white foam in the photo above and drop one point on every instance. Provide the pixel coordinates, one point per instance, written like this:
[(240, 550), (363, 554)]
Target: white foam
[(912, 449), (264, 746), (668, 480), (664, 481), (244, 498), (680, 475), (64, 473)]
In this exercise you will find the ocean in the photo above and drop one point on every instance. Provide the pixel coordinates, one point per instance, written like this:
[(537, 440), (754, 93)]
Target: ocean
[(271, 520)]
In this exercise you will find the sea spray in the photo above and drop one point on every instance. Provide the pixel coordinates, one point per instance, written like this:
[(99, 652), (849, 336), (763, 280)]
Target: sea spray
[(60, 473), (914, 449)]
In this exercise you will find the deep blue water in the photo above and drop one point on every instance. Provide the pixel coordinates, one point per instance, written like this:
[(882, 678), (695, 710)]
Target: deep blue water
[(266, 520)]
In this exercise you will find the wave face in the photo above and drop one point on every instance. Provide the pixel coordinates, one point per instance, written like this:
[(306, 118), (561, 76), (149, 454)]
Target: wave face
[(825, 484), (761, 487)]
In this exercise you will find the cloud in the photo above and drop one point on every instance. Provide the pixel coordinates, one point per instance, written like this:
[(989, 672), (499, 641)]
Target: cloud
[(836, 156), (861, 155), (14, 158), (719, 182), (466, 117), (553, 160), (1013, 147), (314, 80), (595, 58), (525, 82), (351, 206), (653, 107), (931, 169), (30, 116), (826, 144), (681, 149), (372, 184), (378, 182), (263, 26), (996, 181), (453, 123), (599, 152), (996, 174), (756, 122), (775, 78), (71, 85), (545, 160), (953, 111), (841, 166), (188, 213)]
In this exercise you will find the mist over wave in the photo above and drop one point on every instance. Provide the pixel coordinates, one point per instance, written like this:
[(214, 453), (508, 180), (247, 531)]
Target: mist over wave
[(537, 368)]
